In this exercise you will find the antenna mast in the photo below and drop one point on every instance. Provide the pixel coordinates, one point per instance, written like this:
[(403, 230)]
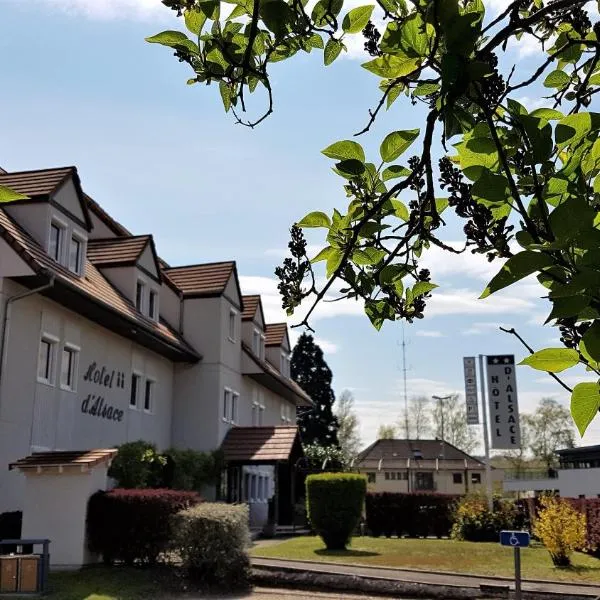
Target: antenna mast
[(404, 375)]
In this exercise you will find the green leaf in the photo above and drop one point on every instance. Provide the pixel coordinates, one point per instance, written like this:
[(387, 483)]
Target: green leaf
[(396, 143), (315, 219), (389, 66), (426, 89), (422, 287), (571, 217), (394, 172), (323, 254), (591, 341), (332, 50), (552, 360), (557, 79), (333, 261), (351, 167), (225, 91), (547, 113), (356, 20), (194, 20), (573, 128), (169, 38), (8, 195), (517, 267), (324, 10), (400, 209), (345, 150), (570, 306), (585, 403), (491, 187)]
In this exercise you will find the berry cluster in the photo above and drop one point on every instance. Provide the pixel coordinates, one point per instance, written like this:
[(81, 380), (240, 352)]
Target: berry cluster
[(493, 86), (372, 37), (292, 272), (571, 332)]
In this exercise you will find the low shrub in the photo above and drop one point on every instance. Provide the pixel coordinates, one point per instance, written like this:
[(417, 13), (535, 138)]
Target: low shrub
[(334, 503), (134, 525), (138, 465), (561, 528), (474, 522), (414, 515), (212, 541), (191, 469)]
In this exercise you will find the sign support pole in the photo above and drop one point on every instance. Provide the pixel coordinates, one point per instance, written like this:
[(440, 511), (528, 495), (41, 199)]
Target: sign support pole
[(517, 573), (486, 437)]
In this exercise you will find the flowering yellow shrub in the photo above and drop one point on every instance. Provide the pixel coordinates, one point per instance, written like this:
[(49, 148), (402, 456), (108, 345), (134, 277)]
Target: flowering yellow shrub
[(561, 528)]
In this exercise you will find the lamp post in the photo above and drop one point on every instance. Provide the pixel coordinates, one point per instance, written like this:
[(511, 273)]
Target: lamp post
[(441, 399)]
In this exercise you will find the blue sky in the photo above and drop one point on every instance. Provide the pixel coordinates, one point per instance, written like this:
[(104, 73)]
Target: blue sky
[(81, 87)]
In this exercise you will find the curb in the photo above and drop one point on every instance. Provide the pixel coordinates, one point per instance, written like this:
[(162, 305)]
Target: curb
[(281, 576)]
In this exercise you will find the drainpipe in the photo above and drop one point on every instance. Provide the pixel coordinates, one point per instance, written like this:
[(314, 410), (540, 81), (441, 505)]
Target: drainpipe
[(6, 323)]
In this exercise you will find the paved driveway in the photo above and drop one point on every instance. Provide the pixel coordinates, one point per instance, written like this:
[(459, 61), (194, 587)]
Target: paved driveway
[(285, 594)]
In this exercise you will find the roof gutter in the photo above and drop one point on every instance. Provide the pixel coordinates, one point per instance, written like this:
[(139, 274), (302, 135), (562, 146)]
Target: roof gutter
[(6, 323)]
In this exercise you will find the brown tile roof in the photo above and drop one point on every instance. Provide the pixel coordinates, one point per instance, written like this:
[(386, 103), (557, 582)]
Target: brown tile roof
[(113, 225), (250, 305), (259, 444), (202, 280), (72, 458), (93, 284), (116, 251), (275, 333), (397, 450), (36, 183)]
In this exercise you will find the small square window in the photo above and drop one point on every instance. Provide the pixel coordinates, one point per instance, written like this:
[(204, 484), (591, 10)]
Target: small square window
[(139, 295), (475, 478), (55, 243), (68, 368), (153, 305), (75, 252), (457, 478), (135, 390), (232, 324), (149, 395), (371, 477), (46, 360), (234, 406), (387, 476), (226, 403)]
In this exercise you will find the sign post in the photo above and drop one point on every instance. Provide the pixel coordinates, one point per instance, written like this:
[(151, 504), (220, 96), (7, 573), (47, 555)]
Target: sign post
[(486, 438), (516, 540)]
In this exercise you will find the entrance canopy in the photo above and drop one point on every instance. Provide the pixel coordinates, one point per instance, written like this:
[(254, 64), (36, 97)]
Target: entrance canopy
[(265, 445)]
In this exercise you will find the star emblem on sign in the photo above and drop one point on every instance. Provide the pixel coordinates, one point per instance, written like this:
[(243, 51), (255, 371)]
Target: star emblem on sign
[(506, 360), (495, 360)]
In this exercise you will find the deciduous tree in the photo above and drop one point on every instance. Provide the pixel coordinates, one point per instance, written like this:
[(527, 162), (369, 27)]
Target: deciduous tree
[(450, 424), (526, 183), (386, 432), (348, 435)]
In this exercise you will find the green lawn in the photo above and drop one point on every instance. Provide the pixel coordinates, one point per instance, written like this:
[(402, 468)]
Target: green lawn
[(437, 555), (101, 583)]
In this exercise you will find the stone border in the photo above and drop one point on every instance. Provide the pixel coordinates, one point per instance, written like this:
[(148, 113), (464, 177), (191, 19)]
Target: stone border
[(283, 576)]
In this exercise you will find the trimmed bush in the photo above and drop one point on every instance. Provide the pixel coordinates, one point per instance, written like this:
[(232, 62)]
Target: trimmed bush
[(413, 515), (561, 528), (334, 502), (134, 525), (212, 541), (192, 470), (138, 465), (473, 521)]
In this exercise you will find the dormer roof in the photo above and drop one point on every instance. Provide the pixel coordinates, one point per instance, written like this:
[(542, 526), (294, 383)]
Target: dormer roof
[(252, 304), (40, 186), (276, 334), (202, 281)]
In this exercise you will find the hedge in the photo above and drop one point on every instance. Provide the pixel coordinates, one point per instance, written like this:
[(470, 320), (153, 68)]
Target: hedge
[(334, 504), (212, 541), (590, 507), (134, 525), (413, 515)]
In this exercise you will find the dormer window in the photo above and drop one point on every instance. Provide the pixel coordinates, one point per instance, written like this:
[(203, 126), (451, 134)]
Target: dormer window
[(139, 295), (232, 325), (285, 364), (56, 241), (257, 343), (75, 255), (153, 305)]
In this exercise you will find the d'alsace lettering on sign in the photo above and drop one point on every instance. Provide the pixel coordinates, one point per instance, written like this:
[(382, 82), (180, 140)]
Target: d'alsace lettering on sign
[(504, 407), (96, 405)]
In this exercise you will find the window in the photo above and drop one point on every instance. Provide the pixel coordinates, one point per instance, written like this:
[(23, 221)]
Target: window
[(403, 475), (261, 412), (457, 478), (153, 305), (135, 390), (55, 244), (475, 478), (232, 324), (75, 254), (424, 481), (149, 395), (285, 364), (262, 345), (226, 403), (286, 413), (255, 409), (252, 487), (371, 477), (68, 368), (234, 406), (139, 296), (46, 360), (256, 342), (387, 476)]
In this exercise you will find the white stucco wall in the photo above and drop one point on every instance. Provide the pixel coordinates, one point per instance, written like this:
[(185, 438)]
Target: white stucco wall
[(573, 483), (67, 197), (34, 218)]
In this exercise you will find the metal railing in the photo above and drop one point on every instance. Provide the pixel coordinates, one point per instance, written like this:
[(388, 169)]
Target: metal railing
[(530, 474)]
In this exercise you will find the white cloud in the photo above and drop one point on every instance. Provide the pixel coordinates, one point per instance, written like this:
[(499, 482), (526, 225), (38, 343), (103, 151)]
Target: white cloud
[(109, 9), (533, 103), (483, 328), (429, 334), (327, 346)]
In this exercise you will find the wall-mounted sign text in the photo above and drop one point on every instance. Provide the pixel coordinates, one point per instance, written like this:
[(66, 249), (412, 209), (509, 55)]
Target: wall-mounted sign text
[(97, 407), (104, 377)]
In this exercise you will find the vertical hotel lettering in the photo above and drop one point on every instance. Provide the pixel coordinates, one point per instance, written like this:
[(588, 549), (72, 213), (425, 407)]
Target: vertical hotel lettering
[(504, 408)]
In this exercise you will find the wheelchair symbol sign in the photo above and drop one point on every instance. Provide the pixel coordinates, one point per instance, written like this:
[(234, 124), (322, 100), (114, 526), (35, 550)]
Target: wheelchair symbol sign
[(515, 539)]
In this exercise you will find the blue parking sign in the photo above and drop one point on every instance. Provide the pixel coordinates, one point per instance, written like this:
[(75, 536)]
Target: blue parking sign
[(515, 539)]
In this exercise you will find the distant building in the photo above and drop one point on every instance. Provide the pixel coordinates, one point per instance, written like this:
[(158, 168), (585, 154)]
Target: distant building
[(420, 466), (578, 475)]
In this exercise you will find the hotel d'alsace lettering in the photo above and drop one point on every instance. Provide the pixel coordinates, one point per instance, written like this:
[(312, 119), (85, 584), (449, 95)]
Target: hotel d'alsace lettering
[(105, 379)]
